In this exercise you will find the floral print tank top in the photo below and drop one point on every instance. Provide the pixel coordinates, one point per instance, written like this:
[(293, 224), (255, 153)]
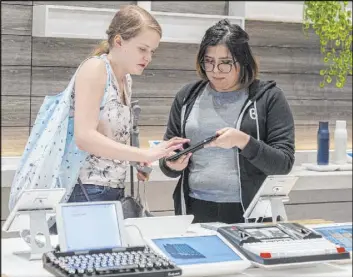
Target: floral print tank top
[(115, 123)]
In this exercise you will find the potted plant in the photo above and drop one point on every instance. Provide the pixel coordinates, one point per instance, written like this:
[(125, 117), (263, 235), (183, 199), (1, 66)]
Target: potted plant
[(332, 22)]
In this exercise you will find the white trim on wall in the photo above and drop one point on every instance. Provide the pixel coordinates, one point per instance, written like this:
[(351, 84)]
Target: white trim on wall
[(280, 11), (82, 22), (283, 11), (147, 5)]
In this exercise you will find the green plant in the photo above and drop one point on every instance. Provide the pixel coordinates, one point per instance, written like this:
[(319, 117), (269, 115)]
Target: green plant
[(332, 22)]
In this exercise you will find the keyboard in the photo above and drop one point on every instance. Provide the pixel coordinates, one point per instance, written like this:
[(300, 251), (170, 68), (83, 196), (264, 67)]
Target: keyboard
[(131, 261), (281, 244), (292, 248)]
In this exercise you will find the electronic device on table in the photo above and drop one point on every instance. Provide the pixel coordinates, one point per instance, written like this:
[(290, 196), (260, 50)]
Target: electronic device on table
[(92, 242), (337, 233), (269, 200), (199, 255), (281, 244), (139, 228), (192, 148), (29, 217)]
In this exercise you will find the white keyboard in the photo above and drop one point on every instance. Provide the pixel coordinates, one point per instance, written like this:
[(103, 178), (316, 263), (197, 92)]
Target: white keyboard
[(292, 248)]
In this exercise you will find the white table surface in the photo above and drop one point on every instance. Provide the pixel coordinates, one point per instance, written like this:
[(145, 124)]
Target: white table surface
[(15, 266)]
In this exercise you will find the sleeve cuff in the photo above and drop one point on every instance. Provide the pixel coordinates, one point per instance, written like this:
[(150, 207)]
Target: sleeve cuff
[(251, 150), (168, 171)]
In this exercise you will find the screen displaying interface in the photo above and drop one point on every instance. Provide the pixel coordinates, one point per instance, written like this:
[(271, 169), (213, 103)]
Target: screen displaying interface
[(91, 226), (196, 250), (341, 235), (267, 233)]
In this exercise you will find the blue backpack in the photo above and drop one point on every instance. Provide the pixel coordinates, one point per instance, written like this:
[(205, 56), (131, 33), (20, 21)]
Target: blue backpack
[(51, 158)]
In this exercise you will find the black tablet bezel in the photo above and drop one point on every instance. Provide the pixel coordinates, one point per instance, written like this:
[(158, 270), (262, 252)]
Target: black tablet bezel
[(191, 149)]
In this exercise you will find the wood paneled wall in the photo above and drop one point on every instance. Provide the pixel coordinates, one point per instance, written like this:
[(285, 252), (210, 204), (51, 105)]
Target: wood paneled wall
[(33, 67)]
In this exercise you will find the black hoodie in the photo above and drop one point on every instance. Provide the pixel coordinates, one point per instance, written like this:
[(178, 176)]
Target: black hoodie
[(265, 116)]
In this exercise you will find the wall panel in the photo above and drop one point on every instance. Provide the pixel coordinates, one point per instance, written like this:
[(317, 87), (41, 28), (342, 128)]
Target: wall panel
[(16, 19), (16, 80), (15, 50)]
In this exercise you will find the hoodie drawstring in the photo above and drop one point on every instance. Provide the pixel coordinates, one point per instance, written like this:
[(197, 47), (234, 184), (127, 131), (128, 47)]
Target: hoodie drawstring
[(257, 122)]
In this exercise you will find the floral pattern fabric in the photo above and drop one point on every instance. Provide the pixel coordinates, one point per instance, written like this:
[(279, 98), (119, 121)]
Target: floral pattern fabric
[(115, 123)]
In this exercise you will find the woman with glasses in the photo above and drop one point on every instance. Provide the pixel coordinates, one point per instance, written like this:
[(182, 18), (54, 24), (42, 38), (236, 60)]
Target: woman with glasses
[(252, 118)]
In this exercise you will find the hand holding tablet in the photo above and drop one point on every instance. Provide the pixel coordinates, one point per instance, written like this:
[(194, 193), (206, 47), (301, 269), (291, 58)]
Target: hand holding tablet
[(191, 149)]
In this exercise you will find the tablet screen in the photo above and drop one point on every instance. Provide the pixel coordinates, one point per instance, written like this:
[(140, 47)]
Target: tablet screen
[(91, 226), (196, 250), (341, 235)]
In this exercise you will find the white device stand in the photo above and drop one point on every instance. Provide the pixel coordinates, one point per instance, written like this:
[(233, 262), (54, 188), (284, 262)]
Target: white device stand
[(270, 198), (29, 217), (276, 205), (38, 227)]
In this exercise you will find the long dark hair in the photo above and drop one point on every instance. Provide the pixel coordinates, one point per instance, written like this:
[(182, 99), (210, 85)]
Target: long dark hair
[(236, 40)]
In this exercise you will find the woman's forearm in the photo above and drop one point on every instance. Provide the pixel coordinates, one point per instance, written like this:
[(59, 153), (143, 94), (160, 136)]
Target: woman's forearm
[(99, 145)]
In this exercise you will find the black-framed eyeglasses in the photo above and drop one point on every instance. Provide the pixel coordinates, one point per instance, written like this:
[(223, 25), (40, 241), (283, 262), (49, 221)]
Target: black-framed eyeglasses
[(224, 67)]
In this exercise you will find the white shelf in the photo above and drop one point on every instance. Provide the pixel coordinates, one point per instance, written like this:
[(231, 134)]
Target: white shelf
[(91, 23)]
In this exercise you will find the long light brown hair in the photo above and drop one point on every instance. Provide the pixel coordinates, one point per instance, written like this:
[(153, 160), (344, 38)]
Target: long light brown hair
[(128, 22)]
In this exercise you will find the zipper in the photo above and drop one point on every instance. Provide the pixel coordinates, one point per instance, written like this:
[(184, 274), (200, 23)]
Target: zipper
[(182, 127), (185, 111), (237, 126), (183, 205), (182, 198)]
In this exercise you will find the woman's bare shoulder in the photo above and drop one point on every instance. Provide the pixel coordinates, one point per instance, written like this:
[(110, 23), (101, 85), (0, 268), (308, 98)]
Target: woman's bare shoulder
[(92, 69)]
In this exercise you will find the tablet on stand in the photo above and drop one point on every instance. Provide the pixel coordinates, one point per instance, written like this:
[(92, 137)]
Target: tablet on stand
[(31, 212), (269, 199), (84, 226)]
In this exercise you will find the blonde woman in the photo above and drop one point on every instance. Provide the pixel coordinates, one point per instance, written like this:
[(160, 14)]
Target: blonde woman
[(104, 132)]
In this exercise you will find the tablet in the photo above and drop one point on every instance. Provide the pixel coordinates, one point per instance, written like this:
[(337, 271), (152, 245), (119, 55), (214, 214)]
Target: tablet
[(145, 227), (192, 148), (173, 224), (201, 255), (337, 233), (87, 226), (274, 185), (31, 200)]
